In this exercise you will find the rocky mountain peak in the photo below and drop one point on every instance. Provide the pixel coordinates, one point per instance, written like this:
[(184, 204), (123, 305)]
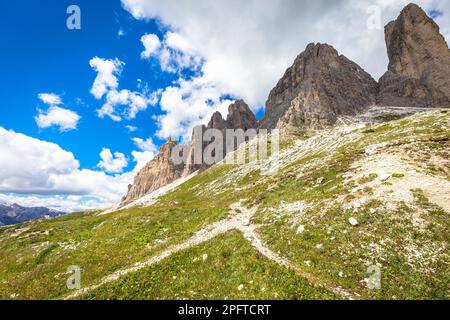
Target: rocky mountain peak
[(157, 173), (161, 171), (217, 121), (319, 86), (419, 62), (240, 116)]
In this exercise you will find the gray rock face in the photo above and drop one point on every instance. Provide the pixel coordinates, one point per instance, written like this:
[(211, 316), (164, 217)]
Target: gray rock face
[(157, 173), (320, 86), (161, 171), (239, 117), (419, 62)]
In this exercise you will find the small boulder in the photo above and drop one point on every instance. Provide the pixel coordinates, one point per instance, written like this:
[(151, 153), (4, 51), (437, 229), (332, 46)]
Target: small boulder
[(300, 229), (353, 222)]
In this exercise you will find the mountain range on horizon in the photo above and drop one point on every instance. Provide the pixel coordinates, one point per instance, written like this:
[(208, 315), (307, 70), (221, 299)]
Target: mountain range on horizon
[(12, 213)]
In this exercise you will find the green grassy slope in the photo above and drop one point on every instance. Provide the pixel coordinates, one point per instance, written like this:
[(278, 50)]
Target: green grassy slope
[(406, 235), (230, 263)]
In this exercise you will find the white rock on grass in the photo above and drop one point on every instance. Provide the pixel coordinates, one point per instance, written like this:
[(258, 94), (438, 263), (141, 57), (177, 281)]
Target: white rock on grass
[(204, 257), (300, 229), (353, 222), (240, 287)]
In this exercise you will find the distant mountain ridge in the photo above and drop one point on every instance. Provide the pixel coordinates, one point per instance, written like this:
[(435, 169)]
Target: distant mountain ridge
[(13, 213)]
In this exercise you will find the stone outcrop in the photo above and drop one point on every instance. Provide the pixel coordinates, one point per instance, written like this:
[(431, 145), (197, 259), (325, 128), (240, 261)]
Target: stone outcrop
[(320, 86), (239, 117), (160, 171), (419, 62)]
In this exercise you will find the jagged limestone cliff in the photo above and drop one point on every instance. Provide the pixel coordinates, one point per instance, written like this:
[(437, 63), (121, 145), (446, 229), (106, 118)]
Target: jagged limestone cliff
[(320, 86), (419, 62)]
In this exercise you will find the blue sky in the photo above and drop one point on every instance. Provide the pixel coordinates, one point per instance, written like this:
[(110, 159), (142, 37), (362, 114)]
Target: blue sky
[(43, 56), (157, 66)]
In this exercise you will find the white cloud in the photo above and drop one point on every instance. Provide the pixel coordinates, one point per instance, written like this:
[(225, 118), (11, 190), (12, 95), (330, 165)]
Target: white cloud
[(131, 128), (145, 145), (188, 104), (131, 101), (107, 83), (107, 72), (151, 44), (56, 116), (45, 174), (247, 45), (51, 99), (57, 202), (112, 163), (175, 53)]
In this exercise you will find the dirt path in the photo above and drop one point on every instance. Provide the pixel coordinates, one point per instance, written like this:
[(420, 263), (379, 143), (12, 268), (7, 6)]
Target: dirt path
[(240, 219)]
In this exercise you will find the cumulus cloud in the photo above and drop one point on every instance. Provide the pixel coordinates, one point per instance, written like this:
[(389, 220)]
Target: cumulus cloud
[(151, 44), (107, 72), (145, 145), (107, 83), (45, 174), (112, 163), (131, 128), (246, 46), (55, 116), (187, 104), (61, 203), (50, 99), (133, 102), (175, 53)]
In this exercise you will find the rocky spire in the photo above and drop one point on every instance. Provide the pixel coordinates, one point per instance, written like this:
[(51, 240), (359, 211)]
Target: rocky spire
[(157, 173), (161, 171), (217, 122), (419, 62), (317, 88), (240, 116)]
